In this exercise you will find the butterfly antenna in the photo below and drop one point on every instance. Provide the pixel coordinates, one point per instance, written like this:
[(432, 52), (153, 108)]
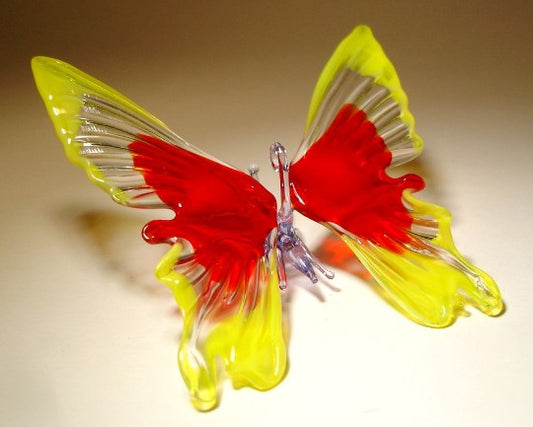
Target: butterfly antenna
[(280, 164), (290, 246), (253, 170)]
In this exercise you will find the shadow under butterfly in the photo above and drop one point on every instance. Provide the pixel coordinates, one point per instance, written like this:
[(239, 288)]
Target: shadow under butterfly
[(231, 241)]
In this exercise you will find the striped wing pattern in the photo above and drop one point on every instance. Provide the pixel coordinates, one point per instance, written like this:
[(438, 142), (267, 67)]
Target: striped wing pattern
[(217, 269), (221, 266), (358, 127)]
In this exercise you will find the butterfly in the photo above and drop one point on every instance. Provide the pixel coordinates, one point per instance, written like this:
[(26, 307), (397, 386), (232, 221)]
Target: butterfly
[(230, 241)]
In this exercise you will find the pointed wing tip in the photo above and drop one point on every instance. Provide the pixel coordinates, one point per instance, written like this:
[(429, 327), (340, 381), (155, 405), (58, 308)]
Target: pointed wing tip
[(38, 60), (39, 68), (41, 65), (362, 29), (360, 33), (48, 72), (37, 63)]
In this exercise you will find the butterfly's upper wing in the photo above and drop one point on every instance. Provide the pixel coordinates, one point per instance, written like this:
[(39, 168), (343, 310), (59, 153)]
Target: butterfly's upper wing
[(358, 126), (217, 268)]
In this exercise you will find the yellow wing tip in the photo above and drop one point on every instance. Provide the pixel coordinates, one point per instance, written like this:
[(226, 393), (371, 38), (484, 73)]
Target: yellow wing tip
[(362, 30), (40, 66), (55, 79), (38, 63), (205, 405), (44, 67), (362, 52), (497, 308)]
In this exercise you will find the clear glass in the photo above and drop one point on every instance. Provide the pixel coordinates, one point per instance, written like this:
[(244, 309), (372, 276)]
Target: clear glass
[(230, 242)]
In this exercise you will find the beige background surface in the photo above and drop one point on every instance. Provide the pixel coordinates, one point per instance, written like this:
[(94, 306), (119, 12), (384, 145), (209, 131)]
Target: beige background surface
[(87, 337)]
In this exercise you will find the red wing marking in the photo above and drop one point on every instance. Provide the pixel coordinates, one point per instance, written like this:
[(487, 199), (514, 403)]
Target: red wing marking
[(341, 179)]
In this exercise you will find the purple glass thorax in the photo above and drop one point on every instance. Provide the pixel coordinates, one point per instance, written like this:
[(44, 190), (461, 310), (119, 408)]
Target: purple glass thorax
[(291, 250)]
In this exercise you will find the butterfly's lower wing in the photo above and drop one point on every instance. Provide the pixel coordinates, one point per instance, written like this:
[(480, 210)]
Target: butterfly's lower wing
[(222, 277), (358, 126), (240, 331)]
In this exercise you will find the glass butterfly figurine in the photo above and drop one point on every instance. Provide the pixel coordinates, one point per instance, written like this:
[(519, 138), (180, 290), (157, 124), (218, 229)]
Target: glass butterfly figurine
[(229, 240)]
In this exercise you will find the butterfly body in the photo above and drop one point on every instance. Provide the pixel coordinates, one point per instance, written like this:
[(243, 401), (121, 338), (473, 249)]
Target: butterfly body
[(291, 249), (229, 239)]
